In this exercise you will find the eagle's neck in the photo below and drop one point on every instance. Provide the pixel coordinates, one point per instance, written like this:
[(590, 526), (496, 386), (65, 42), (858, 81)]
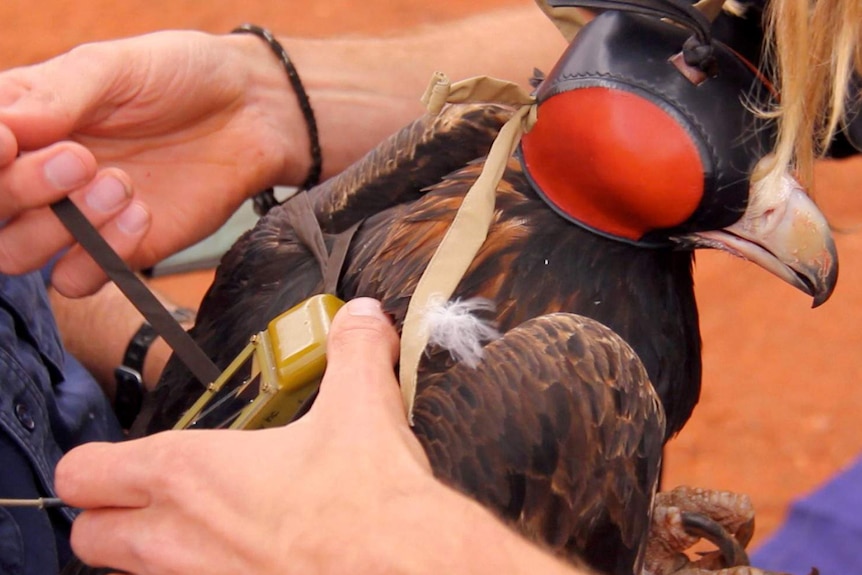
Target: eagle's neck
[(646, 295), (534, 262)]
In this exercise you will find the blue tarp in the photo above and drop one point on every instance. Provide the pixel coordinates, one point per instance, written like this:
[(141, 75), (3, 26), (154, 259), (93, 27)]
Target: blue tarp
[(823, 530)]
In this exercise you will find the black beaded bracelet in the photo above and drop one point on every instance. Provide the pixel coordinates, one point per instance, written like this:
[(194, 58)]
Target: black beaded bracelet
[(265, 200)]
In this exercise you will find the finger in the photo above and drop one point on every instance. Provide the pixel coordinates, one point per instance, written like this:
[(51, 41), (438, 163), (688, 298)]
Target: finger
[(45, 102), (165, 539), (78, 274), (359, 389), (99, 475), (8, 146), (138, 541), (37, 179), (31, 238), (362, 348), (99, 538)]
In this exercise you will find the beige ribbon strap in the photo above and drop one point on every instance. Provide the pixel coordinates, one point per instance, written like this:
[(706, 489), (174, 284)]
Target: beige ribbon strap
[(470, 226), (441, 91)]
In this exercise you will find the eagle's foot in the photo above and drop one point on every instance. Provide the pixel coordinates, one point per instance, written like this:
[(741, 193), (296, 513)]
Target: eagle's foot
[(686, 515), (738, 570)]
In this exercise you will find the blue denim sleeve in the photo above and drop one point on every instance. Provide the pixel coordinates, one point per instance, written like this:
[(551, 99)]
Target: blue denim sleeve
[(48, 404)]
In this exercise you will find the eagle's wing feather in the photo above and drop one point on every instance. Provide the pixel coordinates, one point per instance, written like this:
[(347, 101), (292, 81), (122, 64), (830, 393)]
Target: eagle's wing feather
[(558, 430), (268, 270), (399, 168)]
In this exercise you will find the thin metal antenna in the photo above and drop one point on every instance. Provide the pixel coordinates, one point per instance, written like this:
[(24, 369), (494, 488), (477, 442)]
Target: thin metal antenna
[(39, 503)]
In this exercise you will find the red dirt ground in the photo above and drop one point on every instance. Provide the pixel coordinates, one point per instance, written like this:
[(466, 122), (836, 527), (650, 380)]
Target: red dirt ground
[(782, 401)]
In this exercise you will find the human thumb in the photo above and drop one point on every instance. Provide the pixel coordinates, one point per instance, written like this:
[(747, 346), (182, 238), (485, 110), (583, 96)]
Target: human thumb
[(361, 352)]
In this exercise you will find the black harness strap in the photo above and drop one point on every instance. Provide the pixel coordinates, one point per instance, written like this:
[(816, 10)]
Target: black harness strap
[(697, 51), (301, 217), (337, 257)]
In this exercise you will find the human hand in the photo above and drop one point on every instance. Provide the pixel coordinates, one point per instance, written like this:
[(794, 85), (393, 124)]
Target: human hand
[(333, 491), (346, 489), (193, 123)]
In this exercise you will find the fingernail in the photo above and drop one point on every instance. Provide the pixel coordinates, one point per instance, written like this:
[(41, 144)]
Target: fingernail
[(65, 171), (8, 144), (107, 195), (133, 219), (365, 306)]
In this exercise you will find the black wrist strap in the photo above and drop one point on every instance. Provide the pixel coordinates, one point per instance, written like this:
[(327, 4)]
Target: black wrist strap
[(129, 376)]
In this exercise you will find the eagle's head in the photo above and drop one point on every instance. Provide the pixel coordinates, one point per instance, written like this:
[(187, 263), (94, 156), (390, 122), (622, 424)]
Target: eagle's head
[(636, 143)]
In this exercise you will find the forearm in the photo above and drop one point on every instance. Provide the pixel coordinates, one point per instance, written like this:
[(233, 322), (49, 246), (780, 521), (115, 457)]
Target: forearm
[(464, 537), (98, 328), (364, 89), (381, 81)]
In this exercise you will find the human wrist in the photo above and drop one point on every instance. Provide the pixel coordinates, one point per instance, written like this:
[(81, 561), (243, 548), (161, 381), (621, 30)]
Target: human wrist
[(143, 361), (155, 362), (360, 93), (356, 103), (282, 145), (160, 352), (300, 94)]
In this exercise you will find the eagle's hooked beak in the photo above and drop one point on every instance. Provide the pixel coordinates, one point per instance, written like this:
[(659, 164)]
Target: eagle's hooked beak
[(785, 233)]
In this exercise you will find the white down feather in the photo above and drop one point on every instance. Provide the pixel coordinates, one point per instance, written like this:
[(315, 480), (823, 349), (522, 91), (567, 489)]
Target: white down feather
[(453, 326)]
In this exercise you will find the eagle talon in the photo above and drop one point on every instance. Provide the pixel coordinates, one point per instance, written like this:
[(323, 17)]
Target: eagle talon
[(730, 550), (684, 516), (738, 570)]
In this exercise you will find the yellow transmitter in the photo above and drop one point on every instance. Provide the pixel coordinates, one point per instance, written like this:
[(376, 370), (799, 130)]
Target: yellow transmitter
[(287, 362)]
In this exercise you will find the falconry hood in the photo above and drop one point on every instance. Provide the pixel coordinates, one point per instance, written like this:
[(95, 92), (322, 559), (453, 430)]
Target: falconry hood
[(645, 128)]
